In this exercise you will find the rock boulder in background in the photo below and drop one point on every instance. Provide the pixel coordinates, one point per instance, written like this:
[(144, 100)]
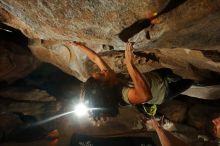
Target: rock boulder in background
[(15, 61), (26, 94)]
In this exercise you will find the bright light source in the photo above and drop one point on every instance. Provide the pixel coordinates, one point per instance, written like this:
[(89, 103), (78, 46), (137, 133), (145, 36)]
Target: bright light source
[(81, 110)]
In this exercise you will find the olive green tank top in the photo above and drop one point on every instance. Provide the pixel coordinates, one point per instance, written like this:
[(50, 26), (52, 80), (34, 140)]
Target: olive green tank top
[(156, 84)]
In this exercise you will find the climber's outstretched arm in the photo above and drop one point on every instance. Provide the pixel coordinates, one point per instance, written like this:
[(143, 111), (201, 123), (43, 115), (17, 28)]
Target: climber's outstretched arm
[(141, 91), (95, 58)]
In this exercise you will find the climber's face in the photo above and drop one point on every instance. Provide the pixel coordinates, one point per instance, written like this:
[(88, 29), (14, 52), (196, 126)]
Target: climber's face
[(216, 129)]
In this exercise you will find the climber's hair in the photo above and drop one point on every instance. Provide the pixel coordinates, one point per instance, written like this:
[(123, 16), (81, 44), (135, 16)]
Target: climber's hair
[(100, 94)]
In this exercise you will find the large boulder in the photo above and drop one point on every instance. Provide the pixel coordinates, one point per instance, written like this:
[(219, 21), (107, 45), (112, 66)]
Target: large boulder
[(200, 115), (15, 61), (175, 110)]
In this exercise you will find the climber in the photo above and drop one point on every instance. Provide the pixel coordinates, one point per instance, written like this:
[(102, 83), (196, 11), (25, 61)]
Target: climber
[(106, 89)]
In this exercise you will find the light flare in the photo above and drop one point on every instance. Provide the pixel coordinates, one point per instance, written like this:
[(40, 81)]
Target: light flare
[(81, 110)]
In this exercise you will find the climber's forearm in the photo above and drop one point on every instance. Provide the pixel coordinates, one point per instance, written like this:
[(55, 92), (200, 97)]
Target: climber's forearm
[(93, 56), (141, 87)]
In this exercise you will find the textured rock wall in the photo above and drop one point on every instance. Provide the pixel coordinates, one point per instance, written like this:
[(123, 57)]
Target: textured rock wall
[(70, 59), (191, 64), (92, 21)]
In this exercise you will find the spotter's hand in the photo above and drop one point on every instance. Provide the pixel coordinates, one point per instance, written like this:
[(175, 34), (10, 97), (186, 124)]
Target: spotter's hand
[(152, 122), (129, 56)]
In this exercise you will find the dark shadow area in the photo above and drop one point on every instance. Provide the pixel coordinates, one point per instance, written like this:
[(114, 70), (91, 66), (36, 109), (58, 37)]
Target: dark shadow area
[(112, 52), (208, 77), (213, 55), (79, 140), (11, 34), (12, 43), (172, 4), (148, 56), (26, 131), (53, 80), (193, 100), (32, 115), (135, 28), (107, 47)]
